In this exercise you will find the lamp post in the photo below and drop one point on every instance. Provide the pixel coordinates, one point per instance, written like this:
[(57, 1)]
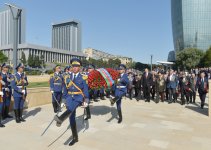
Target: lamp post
[(151, 62), (16, 13)]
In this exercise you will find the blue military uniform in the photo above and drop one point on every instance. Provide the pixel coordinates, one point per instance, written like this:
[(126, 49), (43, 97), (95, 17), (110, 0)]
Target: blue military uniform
[(75, 93), (66, 71), (18, 83), (92, 92), (6, 78), (120, 91), (56, 87)]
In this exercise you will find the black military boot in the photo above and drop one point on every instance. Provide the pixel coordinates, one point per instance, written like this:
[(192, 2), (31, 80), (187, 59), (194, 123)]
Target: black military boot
[(107, 94), (95, 98), (17, 119), (20, 111), (7, 112), (62, 118), (120, 116), (194, 99), (191, 99), (187, 99), (113, 100), (74, 135), (1, 125), (102, 96), (54, 107), (88, 114)]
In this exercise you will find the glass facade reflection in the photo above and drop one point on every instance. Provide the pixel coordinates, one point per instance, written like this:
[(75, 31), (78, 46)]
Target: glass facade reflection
[(191, 24)]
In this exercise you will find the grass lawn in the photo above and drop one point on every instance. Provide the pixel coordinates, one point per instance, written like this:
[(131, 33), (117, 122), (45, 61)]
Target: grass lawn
[(38, 84)]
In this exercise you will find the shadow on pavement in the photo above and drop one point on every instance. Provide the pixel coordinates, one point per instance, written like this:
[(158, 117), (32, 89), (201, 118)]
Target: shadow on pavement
[(198, 109), (102, 110), (8, 120), (25, 114), (31, 112)]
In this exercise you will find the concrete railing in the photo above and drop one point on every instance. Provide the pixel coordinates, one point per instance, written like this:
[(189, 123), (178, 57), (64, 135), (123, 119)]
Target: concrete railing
[(36, 97)]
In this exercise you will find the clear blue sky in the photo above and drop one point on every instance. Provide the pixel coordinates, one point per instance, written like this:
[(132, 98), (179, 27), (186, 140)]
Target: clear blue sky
[(133, 28)]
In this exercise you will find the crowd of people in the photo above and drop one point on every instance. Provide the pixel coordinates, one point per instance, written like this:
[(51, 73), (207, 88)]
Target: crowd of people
[(170, 86)]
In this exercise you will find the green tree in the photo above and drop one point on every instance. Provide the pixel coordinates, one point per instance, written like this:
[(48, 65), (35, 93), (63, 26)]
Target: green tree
[(30, 60), (140, 66), (189, 58), (206, 60), (23, 58), (131, 65), (37, 62), (3, 58)]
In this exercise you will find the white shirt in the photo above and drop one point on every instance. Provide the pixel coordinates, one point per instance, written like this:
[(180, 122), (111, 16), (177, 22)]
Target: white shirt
[(19, 73), (170, 77), (74, 75)]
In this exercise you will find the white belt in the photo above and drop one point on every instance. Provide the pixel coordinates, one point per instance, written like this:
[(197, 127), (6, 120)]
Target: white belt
[(57, 83), (19, 87), (121, 87)]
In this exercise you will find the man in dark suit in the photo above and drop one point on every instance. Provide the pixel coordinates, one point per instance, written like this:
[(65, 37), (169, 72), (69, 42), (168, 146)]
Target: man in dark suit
[(202, 85), (172, 83), (147, 84)]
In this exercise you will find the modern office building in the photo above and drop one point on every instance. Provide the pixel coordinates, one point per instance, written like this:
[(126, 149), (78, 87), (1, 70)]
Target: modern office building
[(67, 35), (50, 55), (6, 27), (191, 24)]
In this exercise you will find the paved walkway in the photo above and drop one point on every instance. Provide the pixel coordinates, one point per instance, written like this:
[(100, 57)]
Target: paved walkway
[(146, 126)]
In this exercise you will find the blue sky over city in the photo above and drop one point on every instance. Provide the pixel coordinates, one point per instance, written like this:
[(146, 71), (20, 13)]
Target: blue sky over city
[(132, 28)]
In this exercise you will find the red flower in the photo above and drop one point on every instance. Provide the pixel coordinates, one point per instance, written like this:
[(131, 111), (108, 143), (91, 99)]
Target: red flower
[(96, 80)]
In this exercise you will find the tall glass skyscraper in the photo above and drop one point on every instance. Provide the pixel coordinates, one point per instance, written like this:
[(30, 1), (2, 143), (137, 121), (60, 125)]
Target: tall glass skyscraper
[(191, 24)]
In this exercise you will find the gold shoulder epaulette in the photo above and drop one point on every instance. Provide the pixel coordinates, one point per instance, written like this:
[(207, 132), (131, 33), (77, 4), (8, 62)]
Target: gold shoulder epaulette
[(51, 75), (85, 77)]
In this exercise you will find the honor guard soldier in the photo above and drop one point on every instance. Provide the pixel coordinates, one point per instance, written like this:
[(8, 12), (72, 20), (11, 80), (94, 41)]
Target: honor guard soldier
[(76, 94), (92, 93), (90, 67), (66, 70), (56, 85), (6, 90), (120, 90), (18, 83)]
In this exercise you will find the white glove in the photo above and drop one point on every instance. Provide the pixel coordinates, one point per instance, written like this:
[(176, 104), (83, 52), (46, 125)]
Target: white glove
[(7, 89), (8, 79), (1, 93), (62, 105), (2, 82), (24, 92), (118, 80), (85, 104), (52, 92)]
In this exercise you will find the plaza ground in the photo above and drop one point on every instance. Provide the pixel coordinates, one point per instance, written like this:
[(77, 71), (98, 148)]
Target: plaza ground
[(145, 126)]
